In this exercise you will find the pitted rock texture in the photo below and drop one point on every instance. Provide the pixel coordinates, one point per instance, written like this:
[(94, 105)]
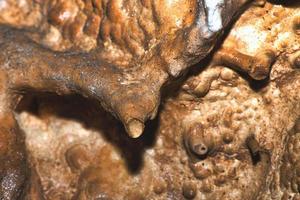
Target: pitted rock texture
[(219, 135), (245, 135), (289, 170), (120, 52)]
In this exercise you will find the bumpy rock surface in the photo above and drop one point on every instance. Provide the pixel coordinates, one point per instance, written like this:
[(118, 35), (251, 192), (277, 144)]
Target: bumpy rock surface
[(119, 52), (220, 134)]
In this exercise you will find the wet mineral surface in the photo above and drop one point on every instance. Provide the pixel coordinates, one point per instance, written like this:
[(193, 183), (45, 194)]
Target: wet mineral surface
[(227, 129)]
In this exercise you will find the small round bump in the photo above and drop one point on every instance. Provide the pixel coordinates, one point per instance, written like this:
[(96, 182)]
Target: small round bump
[(77, 157), (201, 169), (219, 167), (196, 143), (60, 14), (159, 186), (189, 190), (227, 138), (227, 74), (135, 128)]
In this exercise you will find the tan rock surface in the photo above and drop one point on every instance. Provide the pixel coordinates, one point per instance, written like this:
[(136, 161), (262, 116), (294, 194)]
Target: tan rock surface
[(219, 134), (222, 136)]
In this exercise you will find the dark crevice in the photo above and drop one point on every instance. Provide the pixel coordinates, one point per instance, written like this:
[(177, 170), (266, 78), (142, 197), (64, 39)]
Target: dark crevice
[(86, 112), (254, 149)]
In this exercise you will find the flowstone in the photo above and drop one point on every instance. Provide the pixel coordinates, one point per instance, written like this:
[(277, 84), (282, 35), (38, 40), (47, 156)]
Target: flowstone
[(220, 81)]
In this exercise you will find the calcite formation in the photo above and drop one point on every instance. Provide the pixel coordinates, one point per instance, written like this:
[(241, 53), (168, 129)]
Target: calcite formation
[(119, 52), (228, 124)]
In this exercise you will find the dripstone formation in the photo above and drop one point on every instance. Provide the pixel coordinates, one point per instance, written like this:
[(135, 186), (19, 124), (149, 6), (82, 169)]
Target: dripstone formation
[(187, 99)]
